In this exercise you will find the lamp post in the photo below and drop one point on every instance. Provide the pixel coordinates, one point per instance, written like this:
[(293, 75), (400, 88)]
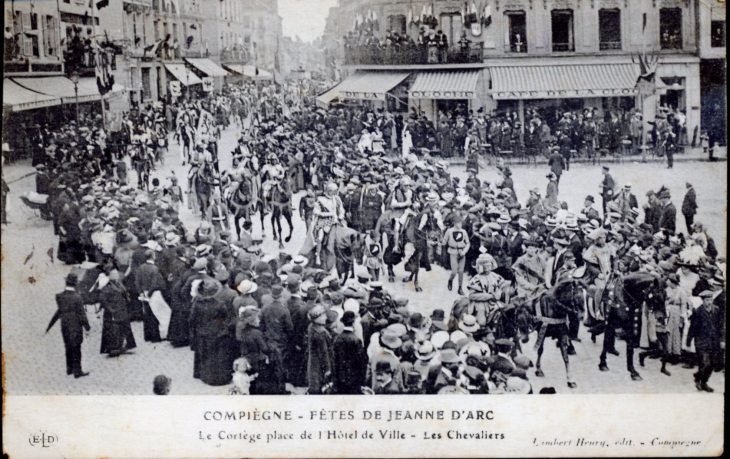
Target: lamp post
[(75, 81)]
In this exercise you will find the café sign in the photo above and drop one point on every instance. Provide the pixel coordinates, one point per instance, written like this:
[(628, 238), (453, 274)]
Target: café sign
[(442, 94), (565, 93), (362, 95)]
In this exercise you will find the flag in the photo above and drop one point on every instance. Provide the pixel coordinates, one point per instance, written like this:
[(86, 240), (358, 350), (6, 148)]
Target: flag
[(102, 4), (409, 19), (643, 23), (487, 18), (376, 25), (424, 13), (463, 14)]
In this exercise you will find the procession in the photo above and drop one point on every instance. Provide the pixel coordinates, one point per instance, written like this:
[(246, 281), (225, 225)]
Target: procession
[(322, 318), (286, 237)]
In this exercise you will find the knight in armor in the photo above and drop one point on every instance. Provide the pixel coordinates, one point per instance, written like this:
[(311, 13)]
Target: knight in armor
[(400, 204), (485, 289), (328, 212), (271, 174)]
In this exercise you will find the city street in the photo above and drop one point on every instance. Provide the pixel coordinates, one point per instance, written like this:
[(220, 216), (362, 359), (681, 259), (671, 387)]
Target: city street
[(34, 362)]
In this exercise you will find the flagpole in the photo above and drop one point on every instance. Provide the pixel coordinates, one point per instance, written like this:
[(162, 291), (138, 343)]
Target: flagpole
[(96, 52)]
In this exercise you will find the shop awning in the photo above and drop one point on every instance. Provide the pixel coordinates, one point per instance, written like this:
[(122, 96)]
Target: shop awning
[(208, 67), (364, 86), (460, 84), (249, 71), (564, 81), (183, 75), (20, 98)]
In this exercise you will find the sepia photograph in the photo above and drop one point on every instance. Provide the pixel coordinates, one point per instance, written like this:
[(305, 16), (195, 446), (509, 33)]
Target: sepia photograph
[(445, 200)]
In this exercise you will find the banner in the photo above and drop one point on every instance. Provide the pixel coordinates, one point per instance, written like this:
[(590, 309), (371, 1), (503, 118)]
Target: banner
[(207, 84), (175, 88)]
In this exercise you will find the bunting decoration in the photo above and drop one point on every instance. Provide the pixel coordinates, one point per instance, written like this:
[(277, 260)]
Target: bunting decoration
[(487, 16), (103, 69)]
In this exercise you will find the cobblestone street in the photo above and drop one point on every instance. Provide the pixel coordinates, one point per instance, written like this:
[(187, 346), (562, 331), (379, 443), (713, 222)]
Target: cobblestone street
[(34, 362)]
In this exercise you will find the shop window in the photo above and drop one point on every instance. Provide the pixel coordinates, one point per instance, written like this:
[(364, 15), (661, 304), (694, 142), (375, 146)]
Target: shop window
[(516, 39), (670, 28), (609, 29), (397, 24), (562, 28), (717, 39)]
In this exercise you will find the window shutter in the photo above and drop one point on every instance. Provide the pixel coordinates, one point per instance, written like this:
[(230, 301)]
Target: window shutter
[(27, 45), (26, 21)]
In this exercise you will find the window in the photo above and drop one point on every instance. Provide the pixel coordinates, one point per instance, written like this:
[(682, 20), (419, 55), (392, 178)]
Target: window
[(609, 29), (562, 27), (717, 39), (50, 39), (516, 35), (146, 85), (451, 27), (670, 28), (397, 24)]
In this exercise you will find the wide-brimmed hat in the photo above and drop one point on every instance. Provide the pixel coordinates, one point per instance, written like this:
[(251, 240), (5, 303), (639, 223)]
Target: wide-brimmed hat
[(208, 288), (316, 312), (449, 356), (515, 385), (426, 351), (246, 286), (468, 324), (416, 320), (389, 338), (439, 338), (172, 239)]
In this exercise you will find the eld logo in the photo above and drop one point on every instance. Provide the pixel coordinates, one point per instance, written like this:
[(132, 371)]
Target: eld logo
[(42, 439)]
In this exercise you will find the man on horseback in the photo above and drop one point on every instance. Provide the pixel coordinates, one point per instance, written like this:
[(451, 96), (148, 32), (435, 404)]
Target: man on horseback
[(271, 174), (328, 212), (400, 201)]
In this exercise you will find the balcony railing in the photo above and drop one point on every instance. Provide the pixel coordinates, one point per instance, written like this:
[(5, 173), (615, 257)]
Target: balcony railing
[(563, 47), (609, 45), (235, 55), (515, 47), (412, 55)]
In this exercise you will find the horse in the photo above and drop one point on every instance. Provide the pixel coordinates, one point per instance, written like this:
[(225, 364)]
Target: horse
[(243, 201), (142, 163), (624, 303), (341, 247), (281, 206), (203, 180), (392, 255), (554, 309)]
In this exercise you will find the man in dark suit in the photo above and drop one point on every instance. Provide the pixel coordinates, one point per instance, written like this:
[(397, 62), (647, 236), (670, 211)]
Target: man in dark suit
[(652, 211), (625, 201), (689, 208), (557, 164), (668, 218), (147, 281), (707, 330), (350, 359), (607, 187), (73, 320)]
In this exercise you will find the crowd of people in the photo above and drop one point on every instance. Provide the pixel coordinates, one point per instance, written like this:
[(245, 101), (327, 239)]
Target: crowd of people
[(278, 322)]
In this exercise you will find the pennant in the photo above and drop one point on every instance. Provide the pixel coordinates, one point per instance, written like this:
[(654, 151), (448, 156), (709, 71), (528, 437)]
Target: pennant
[(643, 23)]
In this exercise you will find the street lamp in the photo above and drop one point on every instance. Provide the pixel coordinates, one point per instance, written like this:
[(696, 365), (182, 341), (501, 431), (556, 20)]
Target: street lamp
[(75, 81)]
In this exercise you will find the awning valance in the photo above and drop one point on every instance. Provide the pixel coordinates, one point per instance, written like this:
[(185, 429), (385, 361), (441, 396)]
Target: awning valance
[(364, 86), (208, 67), (461, 84), (62, 87), (564, 81), (183, 75), (20, 98)]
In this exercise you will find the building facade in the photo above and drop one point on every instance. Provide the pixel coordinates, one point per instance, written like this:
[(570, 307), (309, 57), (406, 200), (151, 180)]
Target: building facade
[(713, 66), (511, 55)]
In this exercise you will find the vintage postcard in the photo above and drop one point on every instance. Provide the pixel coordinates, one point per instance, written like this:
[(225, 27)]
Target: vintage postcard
[(363, 228)]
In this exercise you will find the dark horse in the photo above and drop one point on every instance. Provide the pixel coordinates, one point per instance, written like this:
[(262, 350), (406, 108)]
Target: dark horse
[(281, 206), (624, 304), (243, 201), (554, 311), (341, 247)]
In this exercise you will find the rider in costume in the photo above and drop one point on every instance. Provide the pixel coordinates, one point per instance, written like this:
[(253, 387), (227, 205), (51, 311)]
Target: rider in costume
[(485, 289), (328, 212)]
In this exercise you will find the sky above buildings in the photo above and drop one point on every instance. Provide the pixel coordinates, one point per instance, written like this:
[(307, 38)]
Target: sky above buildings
[(304, 18)]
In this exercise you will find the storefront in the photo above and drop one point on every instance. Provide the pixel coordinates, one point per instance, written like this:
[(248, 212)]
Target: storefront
[(373, 88), (208, 71), (455, 91), (183, 82)]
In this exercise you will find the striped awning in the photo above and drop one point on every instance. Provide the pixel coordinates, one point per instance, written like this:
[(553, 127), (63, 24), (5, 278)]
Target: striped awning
[(564, 81), (364, 86), (457, 84), (183, 75), (208, 67)]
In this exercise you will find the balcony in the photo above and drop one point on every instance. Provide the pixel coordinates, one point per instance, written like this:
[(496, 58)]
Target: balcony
[(563, 47), (412, 55), (609, 46), (235, 55)]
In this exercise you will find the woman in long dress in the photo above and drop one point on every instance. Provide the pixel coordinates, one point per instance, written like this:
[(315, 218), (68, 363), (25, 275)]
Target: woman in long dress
[(407, 142), (676, 305)]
